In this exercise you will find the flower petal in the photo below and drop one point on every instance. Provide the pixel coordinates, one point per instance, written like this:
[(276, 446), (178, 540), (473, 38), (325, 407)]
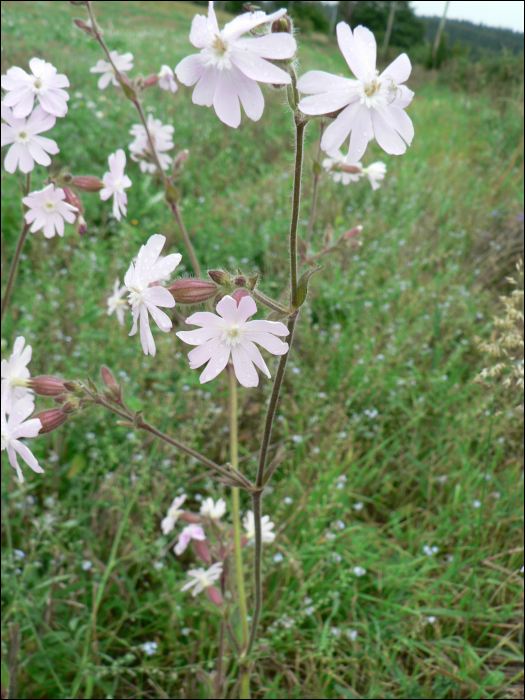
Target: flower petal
[(201, 354), (386, 134), (268, 342), (146, 336), (317, 82), (255, 356), (206, 87), (337, 132), (274, 46), (159, 296), (250, 95), (215, 365), (366, 46), (350, 51), (226, 100), (399, 70), (27, 456), (327, 102), (275, 327), (361, 134), (162, 320), (190, 69), (248, 21), (199, 336), (244, 367), (204, 319), (246, 308), (258, 69), (227, 308)]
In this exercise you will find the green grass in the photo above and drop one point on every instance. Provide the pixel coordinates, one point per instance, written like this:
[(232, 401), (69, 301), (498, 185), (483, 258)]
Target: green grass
[(381, 392)]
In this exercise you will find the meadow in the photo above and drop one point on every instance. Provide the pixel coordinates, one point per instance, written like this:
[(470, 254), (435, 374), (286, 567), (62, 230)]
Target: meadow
[(402, 465)]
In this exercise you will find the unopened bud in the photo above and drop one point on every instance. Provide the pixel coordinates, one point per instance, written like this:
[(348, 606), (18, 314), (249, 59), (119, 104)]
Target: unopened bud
[(81, 225), (47, 386), (109, 380), (201, 550), (87, 183), (83, 25), (328, 235), (219, 276), (75, 387), (239, 294), (72, 405), (51, 420), (349, 168), (214, 595), (190, 518), (240, 281), (73, 199), (180, 159), (283, 24), (151, 80), (353, 233), (192, 290)]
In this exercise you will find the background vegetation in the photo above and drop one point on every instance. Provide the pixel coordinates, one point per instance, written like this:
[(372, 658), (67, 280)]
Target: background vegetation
[(397, 451)]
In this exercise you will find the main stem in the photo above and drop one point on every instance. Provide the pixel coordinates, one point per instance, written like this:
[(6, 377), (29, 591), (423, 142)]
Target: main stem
[(300, 127), (16, 259)]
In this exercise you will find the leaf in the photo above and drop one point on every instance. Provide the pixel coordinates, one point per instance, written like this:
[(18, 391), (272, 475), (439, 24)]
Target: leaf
[(172, 194), (302, 285), (128, 90), (316, 168), (78, 464)]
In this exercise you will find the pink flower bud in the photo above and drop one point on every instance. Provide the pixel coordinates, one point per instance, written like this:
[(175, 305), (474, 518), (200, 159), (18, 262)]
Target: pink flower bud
[(190, 518), (87, 183), (109, 380), (348, 168), (201, 550), (283, 24), (51, 420), (72, 405), (219, 276), (239, 294), (192, 291), (151, 80), (81, 24), (47, 386), (181, 159), (214, 596), (81, 225), (353, 233), (240, 281), (73, 199)]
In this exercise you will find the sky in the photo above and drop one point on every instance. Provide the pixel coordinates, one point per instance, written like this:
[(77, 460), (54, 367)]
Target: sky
[(507, 14)]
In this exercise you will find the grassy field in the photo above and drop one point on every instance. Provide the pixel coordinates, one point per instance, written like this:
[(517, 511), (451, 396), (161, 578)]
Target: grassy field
[(397, 449)]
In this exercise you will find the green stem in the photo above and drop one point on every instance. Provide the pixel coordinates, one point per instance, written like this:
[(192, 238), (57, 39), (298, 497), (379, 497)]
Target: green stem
[(300, 127), (313, 208), (16, 259), (270, 303)]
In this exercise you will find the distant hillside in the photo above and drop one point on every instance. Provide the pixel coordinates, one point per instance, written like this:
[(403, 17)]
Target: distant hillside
[(477, 36)]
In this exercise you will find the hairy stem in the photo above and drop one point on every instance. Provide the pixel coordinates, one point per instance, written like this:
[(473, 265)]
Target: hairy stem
[(313, 208), (270, 303), (300, 127), (16, 259)]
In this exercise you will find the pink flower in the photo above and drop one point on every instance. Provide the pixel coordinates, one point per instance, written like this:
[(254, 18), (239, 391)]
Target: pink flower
[(123, 64), (116, 303), (231, 333), (173, 514), (17, 427), (27, 146), (372, 106), (167, 79), (47, 211), (15, 374), (202, 578), (228, 68), (189, 533), (145, 298), (44, 83), (162, 137), (116, 182)]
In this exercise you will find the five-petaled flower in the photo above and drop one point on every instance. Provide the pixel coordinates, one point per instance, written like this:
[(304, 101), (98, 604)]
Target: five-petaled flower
[(140, 149), (334, 162), (15, 374), (47, 211), (122, 63), (266, 527), (213, 510), (28, 146), (167, 79), (144, 298), (372, 106), (228, 68), (43, 83), (230, 333), (173, 514), (116, 182), (202, 578), (116, 303), (189, 533), (15, 427)]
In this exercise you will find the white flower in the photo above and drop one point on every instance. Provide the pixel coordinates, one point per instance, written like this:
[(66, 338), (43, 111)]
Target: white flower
[(173, 514), (15, 374), (116, 182), (352, 635), (430, 551), (17, 427), (167, 79), (162, 137), (142, 297), (371, 106), (359, 571), (28, 146), (358, 506), (122, 63), (201, 579), (44, 83), (375, 172), (213, 510), (47, 211), (335, 161), (228, 68), (19, 554), (431, 619), (87, 565), (189, 533), (230, 333), (266, 527), (116, 303), (149, 648)]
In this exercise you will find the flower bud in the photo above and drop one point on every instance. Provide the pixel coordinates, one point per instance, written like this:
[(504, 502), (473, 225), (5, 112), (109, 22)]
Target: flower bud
[(214, 595), (201, 550), (51, 420), (240, 281), (328, 235), (72, 405), (75, 387), (348, 168), (239, 294), (47, 386), (109, 380), (81, 225), (83, 25), (192, 290), (353, 233), (87, 183), (219, 276), (190, 518), (283, 24), (180, 159), (73, 199)]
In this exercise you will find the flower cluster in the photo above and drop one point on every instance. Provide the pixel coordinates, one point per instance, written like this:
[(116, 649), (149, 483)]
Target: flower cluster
[(346, 172), (162, 138)]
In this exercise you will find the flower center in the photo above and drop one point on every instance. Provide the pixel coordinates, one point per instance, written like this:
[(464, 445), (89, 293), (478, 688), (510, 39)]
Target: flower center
[(217, 53), (373, 86), (372, 91), (49, 206), (232, 336), (37, 85), (22, 137), (219, 46), (202, 578), (136, 296), (118, 186)]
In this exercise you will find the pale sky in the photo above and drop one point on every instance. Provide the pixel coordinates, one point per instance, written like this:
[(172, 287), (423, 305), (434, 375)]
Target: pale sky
[(508, 14)]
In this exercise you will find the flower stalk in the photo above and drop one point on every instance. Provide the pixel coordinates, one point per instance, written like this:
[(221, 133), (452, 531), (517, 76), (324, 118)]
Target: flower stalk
[(18, 252)]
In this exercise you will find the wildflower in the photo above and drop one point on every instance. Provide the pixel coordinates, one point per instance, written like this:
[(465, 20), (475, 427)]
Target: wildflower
[(333, 164), (213, 510), (17, 427), (375, 172), (266, 527), (19, 554), (142, 297), (173, 514), (231, 333), (123, 64), (431, 619), (309, 610), (201, 579), (115, 183), (278, 558), (28, 146), (359, 571), (158, 565), (87, 565), (167, 79), (48, 210), (15, 375), (288, 500), (476, 504), (228, 68), (149, 648), (116, 303), (43, 83), (430, 551), (358, 506), (189, 533), (352, 635), (372, 106), (140, 149)]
